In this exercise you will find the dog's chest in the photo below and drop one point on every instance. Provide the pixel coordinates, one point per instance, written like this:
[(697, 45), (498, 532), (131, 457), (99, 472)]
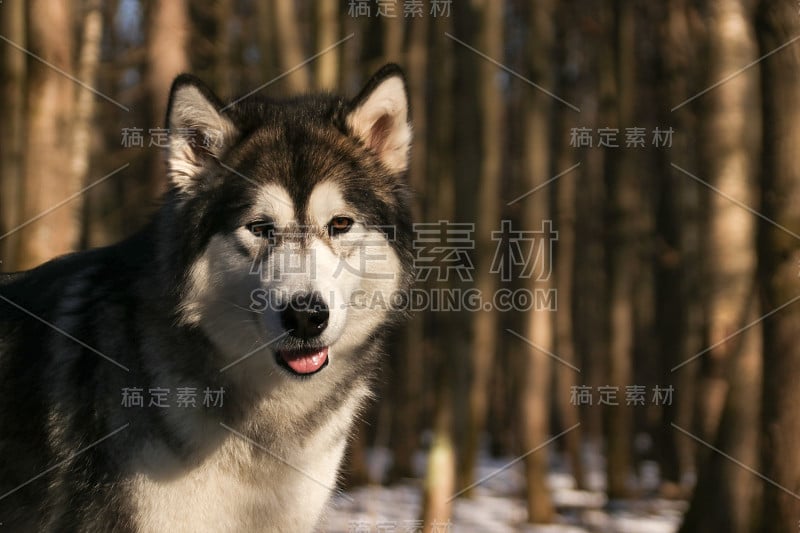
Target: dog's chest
[(236, 490)]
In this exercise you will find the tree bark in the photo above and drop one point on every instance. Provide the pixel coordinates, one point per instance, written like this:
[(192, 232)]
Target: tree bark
[(564, 262), (266, 41), (617, 80), (535, 390), (448, 343), (439, 481), (50, 114), (327, 33), (393, 35), (484, 323), (290, 47), (679, 309), (725, 493), (410, 369), (167, 56), (12, 131), (84, 109), (777, 23)]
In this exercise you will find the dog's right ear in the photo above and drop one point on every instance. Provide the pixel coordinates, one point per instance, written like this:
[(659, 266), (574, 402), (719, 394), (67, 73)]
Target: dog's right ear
[(198, 130), (378, 116)]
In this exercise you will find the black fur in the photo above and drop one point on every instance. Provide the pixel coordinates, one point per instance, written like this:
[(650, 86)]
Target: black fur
[(60, 395)]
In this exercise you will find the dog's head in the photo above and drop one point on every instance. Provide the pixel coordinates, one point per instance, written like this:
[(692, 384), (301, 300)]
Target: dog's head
[(293, 221)]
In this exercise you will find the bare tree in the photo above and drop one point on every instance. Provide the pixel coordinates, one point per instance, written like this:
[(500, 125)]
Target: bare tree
[(393, 35), (536, 390), (777, 24), (327, 74), (266, 40), (484, 323), (12, 130), (410, 372), (219, 40), (87, 73), (167, 56), (440, 482), (725, 493), (290, 46), (48, 180), (678, 225), (564, 214), (440, 478), (617, 86)]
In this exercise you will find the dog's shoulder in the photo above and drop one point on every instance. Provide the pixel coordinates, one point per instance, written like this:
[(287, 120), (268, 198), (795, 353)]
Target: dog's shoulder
[(37, 291)]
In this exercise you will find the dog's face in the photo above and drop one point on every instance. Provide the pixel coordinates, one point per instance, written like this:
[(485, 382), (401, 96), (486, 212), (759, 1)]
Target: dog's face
[(299, 222)]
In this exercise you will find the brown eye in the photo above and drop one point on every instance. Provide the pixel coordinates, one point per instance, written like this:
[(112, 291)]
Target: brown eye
[(262, 228), (339, 225)]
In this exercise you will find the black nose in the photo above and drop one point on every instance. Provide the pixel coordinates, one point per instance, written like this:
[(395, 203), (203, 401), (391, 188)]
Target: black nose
[(306, 316)]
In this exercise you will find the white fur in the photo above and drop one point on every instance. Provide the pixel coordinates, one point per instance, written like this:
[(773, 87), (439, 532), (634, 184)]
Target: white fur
[(379, 270), (387, 101), (325, 202), (211, 494), (274, 201), (241, 487), (358, 262), (191, 111)]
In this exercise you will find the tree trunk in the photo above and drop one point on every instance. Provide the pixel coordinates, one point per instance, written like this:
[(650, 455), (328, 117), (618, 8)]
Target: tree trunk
[(12, 131), (290, 47), (327, 33), (564, 267), (48, 180), (439, 481), (214, 44), (266, 41), (166, 50), (225, 62), (678, 266), (393, 35), (617, 82), (84, 110), (535, 390), (410, 368), (466, 142), (778, 263), (484, 323), (167, 56), (725, 492), (448, 344), (591, 282)]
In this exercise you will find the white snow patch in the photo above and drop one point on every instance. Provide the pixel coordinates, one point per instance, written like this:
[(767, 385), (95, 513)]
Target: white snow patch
[(497, 505)]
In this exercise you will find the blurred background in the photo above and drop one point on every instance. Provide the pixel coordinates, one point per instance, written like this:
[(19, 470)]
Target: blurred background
[(607, 239)]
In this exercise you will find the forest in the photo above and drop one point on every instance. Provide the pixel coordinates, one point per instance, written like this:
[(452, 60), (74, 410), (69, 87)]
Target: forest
[(605, 333)]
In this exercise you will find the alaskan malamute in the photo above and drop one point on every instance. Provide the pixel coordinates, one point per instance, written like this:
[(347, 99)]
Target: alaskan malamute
[(204, 374)]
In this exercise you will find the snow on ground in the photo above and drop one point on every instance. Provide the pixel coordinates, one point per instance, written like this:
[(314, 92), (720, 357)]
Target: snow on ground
[(496, 505)]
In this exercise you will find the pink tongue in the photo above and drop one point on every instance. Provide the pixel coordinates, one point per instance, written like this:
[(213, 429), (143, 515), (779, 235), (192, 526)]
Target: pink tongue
[(305, 363)]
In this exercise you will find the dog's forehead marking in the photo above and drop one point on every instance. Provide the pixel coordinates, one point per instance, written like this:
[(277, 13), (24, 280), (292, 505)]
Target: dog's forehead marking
[(325, 201), (274, 200)]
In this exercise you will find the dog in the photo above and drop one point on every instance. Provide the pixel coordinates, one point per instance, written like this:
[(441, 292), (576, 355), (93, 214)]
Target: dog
[(280, 216)]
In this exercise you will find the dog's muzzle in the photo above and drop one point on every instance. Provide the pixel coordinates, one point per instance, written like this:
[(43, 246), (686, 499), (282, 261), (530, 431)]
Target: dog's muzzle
[(306, 316)]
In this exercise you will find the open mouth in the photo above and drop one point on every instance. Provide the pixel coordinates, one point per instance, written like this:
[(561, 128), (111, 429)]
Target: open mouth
[(303, 362)]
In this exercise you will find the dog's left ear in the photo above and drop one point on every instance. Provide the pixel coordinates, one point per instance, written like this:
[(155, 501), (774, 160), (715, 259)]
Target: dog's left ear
[(378, 116), (199, 131)]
